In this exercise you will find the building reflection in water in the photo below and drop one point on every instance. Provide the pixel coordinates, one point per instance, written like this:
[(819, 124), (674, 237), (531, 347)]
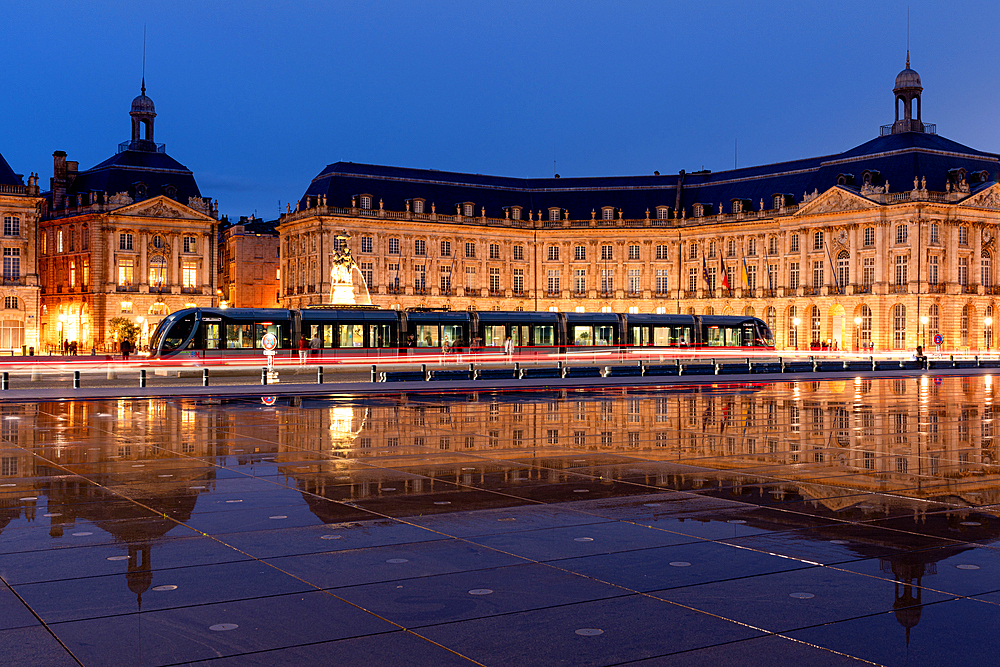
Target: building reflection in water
[(918, 445)]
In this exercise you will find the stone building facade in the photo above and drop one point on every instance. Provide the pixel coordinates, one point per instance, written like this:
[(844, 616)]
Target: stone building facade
[(249, 266), (20, 207), (130, 237), (885, 245)]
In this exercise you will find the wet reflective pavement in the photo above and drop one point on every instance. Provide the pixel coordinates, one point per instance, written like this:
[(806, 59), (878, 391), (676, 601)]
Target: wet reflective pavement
[(803, 523)]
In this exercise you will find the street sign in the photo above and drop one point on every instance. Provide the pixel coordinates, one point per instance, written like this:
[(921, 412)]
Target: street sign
[(268, 400), (269, 342)]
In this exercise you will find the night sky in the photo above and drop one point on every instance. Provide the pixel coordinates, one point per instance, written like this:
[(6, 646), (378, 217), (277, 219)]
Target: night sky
[(256, 98)]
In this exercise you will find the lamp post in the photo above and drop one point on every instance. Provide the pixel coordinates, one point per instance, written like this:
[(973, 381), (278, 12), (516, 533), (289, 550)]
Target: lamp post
[(988, 332), (60, 325), (923, 321), (796, 322), (138, 322), (857, 334)]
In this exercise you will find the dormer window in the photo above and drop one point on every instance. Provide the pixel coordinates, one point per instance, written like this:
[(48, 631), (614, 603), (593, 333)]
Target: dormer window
[(468, 209), (845, 179), (140, 190), (170, 191), (663, 212), (515, 212), (366, 201), (698, 210), (779, 201), (555, 214), (417, 205), (608, 213), (742, 206)]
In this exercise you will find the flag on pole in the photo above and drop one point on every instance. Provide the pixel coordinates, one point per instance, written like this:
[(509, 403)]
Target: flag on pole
[(725, 274), (746, 279), (704, 271)]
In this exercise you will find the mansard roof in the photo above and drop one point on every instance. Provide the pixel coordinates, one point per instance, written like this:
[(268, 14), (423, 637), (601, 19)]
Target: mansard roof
[(121, 172), (893, 158), (7, 175)]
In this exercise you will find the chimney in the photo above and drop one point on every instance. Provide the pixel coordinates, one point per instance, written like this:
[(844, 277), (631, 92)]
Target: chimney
[(58, 180)]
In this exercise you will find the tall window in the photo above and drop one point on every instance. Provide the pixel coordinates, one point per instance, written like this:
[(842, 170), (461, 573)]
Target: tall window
[(988, 327), (580, 252), (963, 236), (518, 283), (446, 248), (899, 326), (772, 276), (11, 264), (932, 270), (367, 244), (494, 251), (470, 277), (817, 240), (368, 272), (607, 252), (607, 281), (869, 237), (934, 234), (771, 317), (866, 326), (59, 241), (126, 267), (634, 280), (843, 269), (817, 274), (752, 247), (901, 233), (963, 270), (519, 252), (393, 246), (933, 321), (793, 243), (661, 281), (124, 242), (494, 280), (711, 249), (157, 271), (11, 225), (661, 252), (963, 326), (731, 248), (987, 272), (633, 252), (793, 333), (692, 279), (693, 251), (470, 250), (392, 268), (772, 245), (445, 276), (580, 281), (793, 275), (553, 253), (419, 277), (189, 274), (751, 277), (419, 247), (815, 322), (868, 271), (901, 274), (552, 284)]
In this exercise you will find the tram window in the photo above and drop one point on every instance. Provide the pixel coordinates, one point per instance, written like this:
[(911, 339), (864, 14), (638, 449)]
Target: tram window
[(427, 335), (239, 336), (453, 335), (212, 335), (495, 335), (352, 335), (583, 335), (519, 335), (724, 337), (605, 335), (265, 328), (327, 336), (682, 337), (379, 336), (178, 333), (545, 335)]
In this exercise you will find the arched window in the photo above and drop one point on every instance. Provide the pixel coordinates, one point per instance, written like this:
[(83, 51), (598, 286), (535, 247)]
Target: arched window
[(793, 329), (771, 317), (987, 270), (748, 311), (709, 310), (815, 324), (899, 326), (865, 328), (963, 326), (843, 269), (159, 308), (157, 271)]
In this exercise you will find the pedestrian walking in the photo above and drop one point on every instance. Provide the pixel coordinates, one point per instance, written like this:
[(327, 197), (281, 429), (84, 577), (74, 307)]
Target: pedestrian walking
[(508, 347), (303, 349)]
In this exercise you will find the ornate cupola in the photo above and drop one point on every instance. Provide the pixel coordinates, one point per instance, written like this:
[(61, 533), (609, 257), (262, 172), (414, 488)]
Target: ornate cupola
[(143, 113), (907, 91)]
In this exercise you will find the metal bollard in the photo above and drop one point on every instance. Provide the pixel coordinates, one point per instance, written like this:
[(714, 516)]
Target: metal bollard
[(562, 370), (680, 368), (781, 364), (953, 364), (715, 366), (142, 377), (263, 375), (319, 374), (874, 363), (472, 371), (815, 364), (642, 369), (204, 377), (374, 377), (977, 361), (76, 379), (517, 371), (6, 381)]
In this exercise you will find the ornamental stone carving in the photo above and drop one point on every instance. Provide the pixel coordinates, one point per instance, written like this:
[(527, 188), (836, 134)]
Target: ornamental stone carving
[(120, 199), (989, 199)]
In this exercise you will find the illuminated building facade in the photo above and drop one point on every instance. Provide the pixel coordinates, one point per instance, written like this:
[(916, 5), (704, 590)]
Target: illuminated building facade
[(20, 206), (131, 237), (883, 246)]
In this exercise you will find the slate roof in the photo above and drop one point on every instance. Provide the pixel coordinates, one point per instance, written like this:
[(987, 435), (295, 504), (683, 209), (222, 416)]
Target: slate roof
[(7, 175), (897, 158), (121, 172)]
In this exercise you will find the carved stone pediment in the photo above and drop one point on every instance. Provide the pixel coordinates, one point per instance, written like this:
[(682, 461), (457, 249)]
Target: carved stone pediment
[(988, 198), (161, 207), (835, 200)]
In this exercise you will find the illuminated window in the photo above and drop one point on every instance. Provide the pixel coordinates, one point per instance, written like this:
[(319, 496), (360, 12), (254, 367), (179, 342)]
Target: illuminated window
[(126, 268), (126, 307), (157, 271), (189, 274)]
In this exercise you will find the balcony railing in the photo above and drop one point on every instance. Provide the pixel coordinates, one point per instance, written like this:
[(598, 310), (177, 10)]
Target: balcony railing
[(158, 289), (810, 290), (580, 294), (552, 293), (606, 294), (447, 291), (13, 281), (690, 294), (969, 289), (472, 291), (898, 288), (420, 290), (633, 294), (121, 288), (863, 289), (520, 293), (993, 289), (195, 290), (393, 289), (770, 293), (664, 294), (935, 288), (496, 292)]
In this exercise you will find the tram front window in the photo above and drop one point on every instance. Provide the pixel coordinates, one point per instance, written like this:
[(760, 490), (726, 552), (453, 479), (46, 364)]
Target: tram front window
[(178, 333)]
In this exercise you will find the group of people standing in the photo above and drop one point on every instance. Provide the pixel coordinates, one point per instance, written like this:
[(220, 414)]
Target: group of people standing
[(308, 347)]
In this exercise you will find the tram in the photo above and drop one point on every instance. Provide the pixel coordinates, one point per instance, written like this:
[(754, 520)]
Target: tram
[(205, 333)]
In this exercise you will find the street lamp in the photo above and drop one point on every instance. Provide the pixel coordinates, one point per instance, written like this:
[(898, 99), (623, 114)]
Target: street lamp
[(796, 322), (60, 326), (988, 324), (924, 320), (857, 333)]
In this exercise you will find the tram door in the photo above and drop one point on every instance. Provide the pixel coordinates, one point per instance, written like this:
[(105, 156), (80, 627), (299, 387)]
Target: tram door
[(379, 335), (213, 338), (519, 335), (641, 336)]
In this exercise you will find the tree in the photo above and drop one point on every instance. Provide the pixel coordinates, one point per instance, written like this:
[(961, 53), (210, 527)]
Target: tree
[(122, 328)]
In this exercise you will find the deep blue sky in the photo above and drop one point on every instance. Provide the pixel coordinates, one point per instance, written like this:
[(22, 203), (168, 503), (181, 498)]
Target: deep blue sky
[(256, 98)]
